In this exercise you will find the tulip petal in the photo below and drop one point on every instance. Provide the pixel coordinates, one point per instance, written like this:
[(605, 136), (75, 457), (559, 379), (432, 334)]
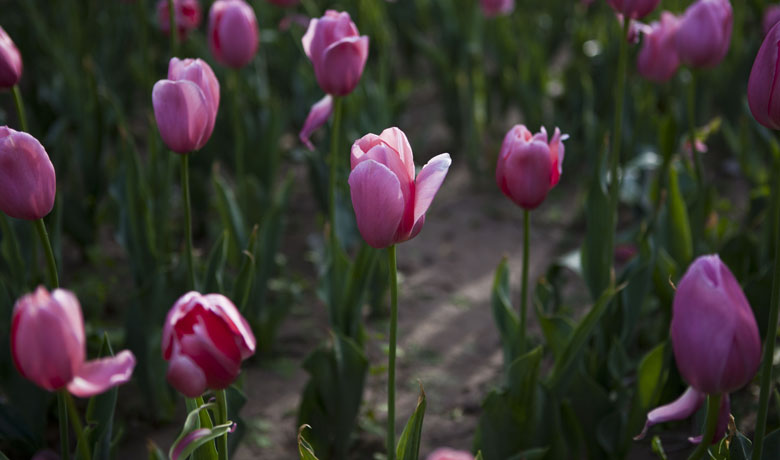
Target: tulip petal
[(762, 86), (182, 114), (378, 202), (318, 115), (184, 375), (681, 408), (428, 182), (99, 375), (213, 349), (723, 422), (238, 326), (342, 65), (396, 138)]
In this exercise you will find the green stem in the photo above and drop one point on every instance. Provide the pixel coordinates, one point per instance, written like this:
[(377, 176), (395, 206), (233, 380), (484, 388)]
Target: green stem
[(62, 413), (391, 353), (185, 191), (20, 108), (222, 442), (174, 32), (238, 136), (334, 170), (77, 428), (710, 425), (692, 126), (524, 285), (51, 264), (7, 231)]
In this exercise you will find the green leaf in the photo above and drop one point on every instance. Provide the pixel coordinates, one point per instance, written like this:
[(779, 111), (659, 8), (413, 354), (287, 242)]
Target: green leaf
[(740, 448), (215, 265), (305, 450), (596, 256), (658, 448), (243, 285), (652, 375), (680, 240), (229, 210), (193, 436), (479, 456), (100, 412), (155, 453), (506, 319), (771, 446), (409, 442)]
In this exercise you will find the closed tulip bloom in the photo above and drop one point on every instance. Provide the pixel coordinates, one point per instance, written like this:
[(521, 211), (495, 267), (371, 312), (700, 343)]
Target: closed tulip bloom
[(187, 16), (771, 17), (529, 166), (28, 183), (232, 32), (704, 33), (390, 204), (10, 61), (205, 339), (713, 330), (763, 83), (634, 9), (657, 60), (337, 52), (493, 8), (444, 453), (48, 346)]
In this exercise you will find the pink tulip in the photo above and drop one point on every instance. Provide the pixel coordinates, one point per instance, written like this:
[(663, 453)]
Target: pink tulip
[(528, 166), (318, 115), (284, 3), (684, 407), (763, 82), (771, 17), (28, 183), (187, 16), (10, 61), (704, 33), (48, 346), (337, 52), (390, 205), (634, 9), (232, 32), (205, 339), (186, 104), (493, 8), (444, 453), (657, 60)]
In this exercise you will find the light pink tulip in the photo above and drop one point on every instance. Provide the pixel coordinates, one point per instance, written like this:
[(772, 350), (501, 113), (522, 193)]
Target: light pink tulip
[(529, 166), (704, 33), (318, 115), (390, 204), (684, 407), (187, 16), (763, 83), (10, 61), (337, 52), (28, 183), (48, 346), (657, 60), (771, 17), (444, 453), (232, 32), (205, 339), (493, 8), (634, 9)]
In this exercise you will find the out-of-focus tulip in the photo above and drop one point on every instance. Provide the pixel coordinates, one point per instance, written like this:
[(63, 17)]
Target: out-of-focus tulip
[(493, 8), (713, 330), (337, 52), (444, 453), (634, 9), (771, 17), (685, 406), (318, 115), (28, 183), (704, 33), (187, 16), (390, 204), (48, 346), (529, 166), (284, 3), (205, 339), (657, 60), (186, 104), (232, 32), (763, 82), (10, 61)]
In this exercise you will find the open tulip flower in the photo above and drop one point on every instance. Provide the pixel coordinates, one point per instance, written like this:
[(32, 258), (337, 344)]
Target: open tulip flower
[(28, 183), (657, 60), (10, 61), (187, 16), (232, 32), (704, 33)]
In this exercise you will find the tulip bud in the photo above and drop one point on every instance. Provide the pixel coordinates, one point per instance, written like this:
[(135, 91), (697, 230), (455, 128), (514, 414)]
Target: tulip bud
[(493, 8), (771, 17), (763, 82), (232, 32), (444, 453), (10, 61), (390, 205), (28, 183), (528, 166), (48, 346), (657, 60), (704, 33), (634, 9), (187, 16), (205, 339), (713, 330), (337, 52)]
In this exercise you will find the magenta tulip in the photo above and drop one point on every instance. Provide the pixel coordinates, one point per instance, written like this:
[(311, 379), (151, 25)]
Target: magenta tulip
[(10, 61), (657, 60), (763, 82), (187, 16), (771, 17), (529, 166), (337, 52), (704, 33), (390, 204), (684, 407), (205, 339), (48, 346), (444, 453), (28, 183), (634, 9), (232, 32), (186, 104), (493, 8)]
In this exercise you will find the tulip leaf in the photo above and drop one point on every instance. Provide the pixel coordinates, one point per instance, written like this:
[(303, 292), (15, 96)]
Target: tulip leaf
[(409, 442), (155, 453), (652, 375), (596, 253), (100, 412), (215, 264), (771, 446), (740, 447), (243, 286), (229, 210), (479, 456), (658, 448), (305, 450), (679, 239), (504, 315), (194, 435)]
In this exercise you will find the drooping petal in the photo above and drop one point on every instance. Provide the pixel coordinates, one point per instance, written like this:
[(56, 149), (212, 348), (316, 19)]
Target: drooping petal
[(378, 202), (557, 152), (680, 409), (186, 376), (318, 116), (428, 182), (99, 375)]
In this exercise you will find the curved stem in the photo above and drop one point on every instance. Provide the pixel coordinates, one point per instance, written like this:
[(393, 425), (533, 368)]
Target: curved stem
[(77, 428), (173, 30), (222, 442), (710, 425), (185, 192), (524, 285), (51, 264), (62, 414), (20, 108), (334, 169), (391, 257)]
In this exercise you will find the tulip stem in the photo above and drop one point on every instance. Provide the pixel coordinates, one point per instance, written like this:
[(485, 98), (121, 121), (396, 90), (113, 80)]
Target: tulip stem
[(771, 332), (173, 31), (185, 192), (222, 442), (77, 428), (391, 353), (524, 282), (334, 170), (51, 264), (710, 425), (20, 108), (238, 137), (696, 155), (62, 413)]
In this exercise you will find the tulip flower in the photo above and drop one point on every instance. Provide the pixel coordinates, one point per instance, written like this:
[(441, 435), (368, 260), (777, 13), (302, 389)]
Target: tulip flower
[(762, 85), (205, 339), (10, 61), (232, 32), (48, 346), (444, 453), (634, 9), (704, 33), (493, 8), (185, 105), (771, 17), (28, 183), (529, 166), (187, 16), (390, 204), (657, 60)]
